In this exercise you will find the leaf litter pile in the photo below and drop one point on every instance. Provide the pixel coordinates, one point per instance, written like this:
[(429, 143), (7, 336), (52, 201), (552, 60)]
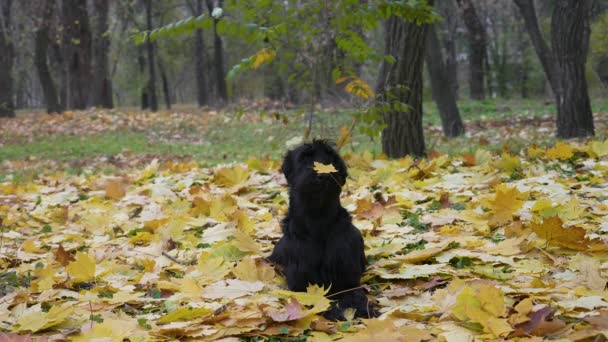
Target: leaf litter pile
[(476, 247)]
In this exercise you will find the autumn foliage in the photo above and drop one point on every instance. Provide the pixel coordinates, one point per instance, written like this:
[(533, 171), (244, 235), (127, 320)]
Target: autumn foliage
[(481, 246)]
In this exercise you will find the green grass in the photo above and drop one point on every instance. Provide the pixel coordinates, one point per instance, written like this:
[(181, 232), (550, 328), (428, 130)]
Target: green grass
[(235, 138)]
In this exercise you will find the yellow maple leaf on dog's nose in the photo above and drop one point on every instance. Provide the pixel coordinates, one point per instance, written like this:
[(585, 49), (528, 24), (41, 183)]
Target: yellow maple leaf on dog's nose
[(324, 168)]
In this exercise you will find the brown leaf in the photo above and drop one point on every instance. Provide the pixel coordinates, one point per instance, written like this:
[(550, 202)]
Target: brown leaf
[(63, 257), (115, 190), (541, 323)]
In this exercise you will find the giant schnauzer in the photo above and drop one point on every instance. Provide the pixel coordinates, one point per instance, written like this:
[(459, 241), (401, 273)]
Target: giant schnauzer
[(320, 245)]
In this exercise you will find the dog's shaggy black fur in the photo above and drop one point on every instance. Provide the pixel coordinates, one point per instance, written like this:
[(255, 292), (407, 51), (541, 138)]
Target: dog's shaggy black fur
[(320, 245)]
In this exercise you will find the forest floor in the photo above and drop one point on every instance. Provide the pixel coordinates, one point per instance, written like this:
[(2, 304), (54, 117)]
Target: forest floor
[(122, 224), (107, 140)]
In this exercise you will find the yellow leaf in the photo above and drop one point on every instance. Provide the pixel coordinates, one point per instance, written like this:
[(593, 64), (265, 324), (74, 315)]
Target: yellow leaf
[(484, 304), (231, 176), (44, 278), (143, 238), (30, 246), (115, 190), (37, 321), (222, 208), (508, 163), (552, 230), (110, 330), (599, 148), (83, 268), (345, 134), (245, 243), (570, 210), (314, 296), (264, 55), (185, 313), (250, 270), (385, 331), (321, 168), (504, 205), (561, 151), (359, 88), (342, 79), (544, 208)]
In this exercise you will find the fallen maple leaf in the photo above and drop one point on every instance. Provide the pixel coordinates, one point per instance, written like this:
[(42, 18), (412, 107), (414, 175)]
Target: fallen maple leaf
[(504, 205), (321, 168), (82, 269)]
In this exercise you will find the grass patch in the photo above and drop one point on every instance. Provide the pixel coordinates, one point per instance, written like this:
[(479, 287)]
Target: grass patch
[(234, 137)]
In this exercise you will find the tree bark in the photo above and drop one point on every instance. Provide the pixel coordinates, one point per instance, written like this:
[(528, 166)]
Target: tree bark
[(449, 29), (202, 90), (152, 101), (443, 93), (77, 49), (141, 62), (570, 30), (218, 53), (399, 89), (528, 12), (49, 90), (165, 84), (564, 66), (477, 48), (102, 83), (7, 56)]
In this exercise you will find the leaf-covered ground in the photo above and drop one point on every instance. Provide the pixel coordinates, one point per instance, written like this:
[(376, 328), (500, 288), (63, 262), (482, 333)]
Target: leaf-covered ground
[(479, 246)]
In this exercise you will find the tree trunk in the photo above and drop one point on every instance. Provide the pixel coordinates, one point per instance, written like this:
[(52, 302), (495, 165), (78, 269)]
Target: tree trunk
[(399, 89), (7, 56), (102, 84), (443, 93), (528, 12), (141, 61), (565, 66), (152, 101), (449, 28), (165, 84), (477, 48), (570, 30), (202, 91), (77, 48), (49, 90), (218, 57)]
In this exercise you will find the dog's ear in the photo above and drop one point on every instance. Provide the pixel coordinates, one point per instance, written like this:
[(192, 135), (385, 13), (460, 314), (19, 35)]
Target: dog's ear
[(342, 170), (287, 167)]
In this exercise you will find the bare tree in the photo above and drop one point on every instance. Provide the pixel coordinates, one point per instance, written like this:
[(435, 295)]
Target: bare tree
[(49, 90), (77, 50), (152, 101), (477, 48), (102, 83), (564, 65), (7, 56), (218, 48), (443, 92), (202, 87)]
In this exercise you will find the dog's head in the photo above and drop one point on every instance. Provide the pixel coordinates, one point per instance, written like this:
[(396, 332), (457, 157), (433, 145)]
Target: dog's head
[(298, 168)]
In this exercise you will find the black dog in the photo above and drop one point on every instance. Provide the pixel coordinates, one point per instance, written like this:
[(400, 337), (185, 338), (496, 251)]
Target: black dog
[(320, 245)]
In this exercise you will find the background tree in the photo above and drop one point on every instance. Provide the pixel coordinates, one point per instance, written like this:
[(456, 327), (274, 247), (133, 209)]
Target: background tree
[(101, 91), (443, 91), (41, 44), (202, 91), (399, 88), (564, 65), (76, 47), (215, 8), (151, 89), (477, 48), (7, 107)]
